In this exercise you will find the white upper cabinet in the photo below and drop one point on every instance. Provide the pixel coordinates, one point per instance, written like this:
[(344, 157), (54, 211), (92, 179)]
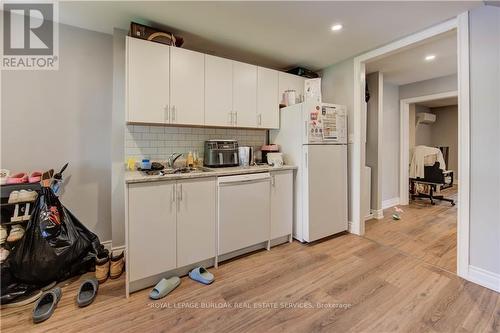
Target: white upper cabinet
[(244, 94), (148, 77), (218, 91), (267, 98), (291, 82), (170, 85), (187, 87)]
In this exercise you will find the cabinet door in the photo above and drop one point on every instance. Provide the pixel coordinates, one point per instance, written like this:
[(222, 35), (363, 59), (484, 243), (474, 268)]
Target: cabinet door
[(281, 203), (151, 229), (218, 91), (195, 221), (291, 82), (187, 87), (267, 98), (148, 76), (244, 94)]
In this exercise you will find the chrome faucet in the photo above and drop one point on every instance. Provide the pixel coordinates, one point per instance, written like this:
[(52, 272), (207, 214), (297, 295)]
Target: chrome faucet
[(172, 158)]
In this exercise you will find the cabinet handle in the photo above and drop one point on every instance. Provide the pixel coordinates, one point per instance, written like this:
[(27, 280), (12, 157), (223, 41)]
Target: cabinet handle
[(173, 113), (167, 113), (173, 192), (236, 118), (231, 118), (260, 119), (273, 180), (181, 192)]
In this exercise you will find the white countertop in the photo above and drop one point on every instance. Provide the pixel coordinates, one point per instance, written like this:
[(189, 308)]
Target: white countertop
[(139, 177)]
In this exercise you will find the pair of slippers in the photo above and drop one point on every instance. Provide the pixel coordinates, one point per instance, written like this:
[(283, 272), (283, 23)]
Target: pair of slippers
[(22, 177), (47, 303), (166, 286)]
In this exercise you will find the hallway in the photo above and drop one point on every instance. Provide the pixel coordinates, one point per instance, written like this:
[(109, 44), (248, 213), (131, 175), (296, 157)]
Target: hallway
[(426, 232)]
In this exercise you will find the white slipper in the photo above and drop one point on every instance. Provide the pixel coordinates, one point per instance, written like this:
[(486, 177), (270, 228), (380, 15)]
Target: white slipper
[(27, 195), (13, 197), (16, 233)]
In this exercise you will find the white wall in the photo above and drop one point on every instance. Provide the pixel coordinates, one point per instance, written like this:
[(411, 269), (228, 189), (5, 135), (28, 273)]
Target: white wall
[(390, 139), (337, 83), (118, 140), (485, 138), (429, 87), (374, 119), (423, 132), (53, 117)]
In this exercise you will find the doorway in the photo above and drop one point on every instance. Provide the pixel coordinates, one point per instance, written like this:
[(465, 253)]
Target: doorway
[(424, 228), (460, 24)]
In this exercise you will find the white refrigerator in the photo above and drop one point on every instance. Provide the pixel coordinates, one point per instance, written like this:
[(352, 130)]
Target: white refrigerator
[(313, 136)]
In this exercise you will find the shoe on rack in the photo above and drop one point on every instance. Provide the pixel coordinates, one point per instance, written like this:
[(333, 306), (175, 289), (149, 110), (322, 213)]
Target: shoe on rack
[(13, 197), (3, 234), (18, 178), (27, 195), (35, 177), (16, 233), (4, 174)]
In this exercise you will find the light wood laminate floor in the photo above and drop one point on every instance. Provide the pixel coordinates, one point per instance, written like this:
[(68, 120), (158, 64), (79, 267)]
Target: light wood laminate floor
[(376, 288), (425, 231)]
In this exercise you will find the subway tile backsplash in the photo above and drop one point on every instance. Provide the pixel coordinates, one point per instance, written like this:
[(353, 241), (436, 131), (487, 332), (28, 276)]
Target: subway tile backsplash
[(157, 142)]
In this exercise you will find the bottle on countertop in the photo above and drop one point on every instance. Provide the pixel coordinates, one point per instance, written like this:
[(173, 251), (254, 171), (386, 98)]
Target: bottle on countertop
[(189, 160)]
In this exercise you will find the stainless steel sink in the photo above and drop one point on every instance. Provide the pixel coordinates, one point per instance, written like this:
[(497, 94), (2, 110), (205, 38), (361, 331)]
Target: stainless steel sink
[(165, 172)]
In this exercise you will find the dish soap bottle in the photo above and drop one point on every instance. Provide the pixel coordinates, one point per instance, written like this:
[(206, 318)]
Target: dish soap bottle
[(189, 160)]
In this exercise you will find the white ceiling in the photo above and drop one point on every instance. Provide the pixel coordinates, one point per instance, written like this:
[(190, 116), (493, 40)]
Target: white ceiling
[(440, 102), (409, 65), (278, 34)]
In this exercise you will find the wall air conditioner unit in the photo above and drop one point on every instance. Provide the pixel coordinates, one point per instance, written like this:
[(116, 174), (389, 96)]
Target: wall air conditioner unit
[(426, 118)]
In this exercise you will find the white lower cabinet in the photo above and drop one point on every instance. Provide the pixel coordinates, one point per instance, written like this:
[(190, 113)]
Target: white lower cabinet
[(170, 225), (281, 203), (152, 229), (174, 224), (195, 221)]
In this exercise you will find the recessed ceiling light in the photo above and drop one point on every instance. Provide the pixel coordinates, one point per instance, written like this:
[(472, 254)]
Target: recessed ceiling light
[(336, 27), (430, 57)]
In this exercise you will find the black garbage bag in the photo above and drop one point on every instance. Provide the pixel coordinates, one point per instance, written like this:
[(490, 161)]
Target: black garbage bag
[(55, 246)]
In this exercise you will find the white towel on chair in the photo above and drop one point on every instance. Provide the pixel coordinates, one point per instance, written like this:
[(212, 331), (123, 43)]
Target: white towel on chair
[(418, 161)]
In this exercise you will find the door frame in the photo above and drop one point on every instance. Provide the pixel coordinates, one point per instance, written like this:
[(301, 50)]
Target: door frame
[(404, 139), (461, 24)]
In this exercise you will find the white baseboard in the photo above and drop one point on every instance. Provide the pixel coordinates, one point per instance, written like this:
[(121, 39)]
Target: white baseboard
[(118, 248), (484, 278), (369, 217), (108, 245), (378, 214), (390, 203)]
